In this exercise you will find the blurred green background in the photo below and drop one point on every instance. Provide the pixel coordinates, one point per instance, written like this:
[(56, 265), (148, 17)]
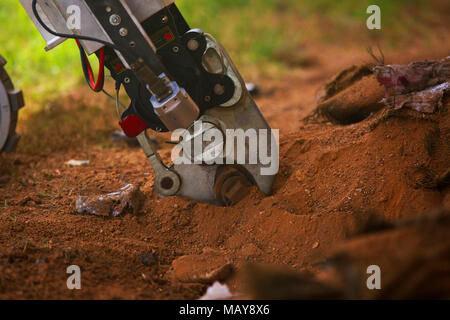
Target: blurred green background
[(259, 34)]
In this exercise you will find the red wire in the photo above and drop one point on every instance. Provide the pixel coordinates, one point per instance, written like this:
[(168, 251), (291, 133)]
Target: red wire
[(101, 61)]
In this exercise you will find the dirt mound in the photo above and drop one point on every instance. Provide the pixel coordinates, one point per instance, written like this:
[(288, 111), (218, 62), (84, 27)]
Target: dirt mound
[(333, 180), (350, 97)]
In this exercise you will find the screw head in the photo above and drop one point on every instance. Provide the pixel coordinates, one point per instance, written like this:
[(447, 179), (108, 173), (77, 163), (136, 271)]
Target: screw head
[(123, 32), (165, 19), (176, 49), (115, 19)]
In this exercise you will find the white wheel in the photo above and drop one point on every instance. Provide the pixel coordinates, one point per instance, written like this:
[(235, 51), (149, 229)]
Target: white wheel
[(10, 102)]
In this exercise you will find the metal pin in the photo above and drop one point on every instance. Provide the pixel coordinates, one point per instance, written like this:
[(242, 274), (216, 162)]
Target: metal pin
[(219, 89), (193, 45)]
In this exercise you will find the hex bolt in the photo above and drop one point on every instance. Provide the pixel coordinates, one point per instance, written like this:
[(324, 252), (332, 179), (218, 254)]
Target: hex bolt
[(115, 19), (234, 190), (231, 186), (193, 45), (123, 32)]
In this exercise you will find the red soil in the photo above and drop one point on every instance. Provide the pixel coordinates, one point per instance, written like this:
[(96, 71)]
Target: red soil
[(332, 179)]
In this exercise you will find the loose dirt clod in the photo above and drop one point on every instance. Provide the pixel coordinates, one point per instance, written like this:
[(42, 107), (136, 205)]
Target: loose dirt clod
[(345, 79), (350, 101), (208, 267), (112, 204)]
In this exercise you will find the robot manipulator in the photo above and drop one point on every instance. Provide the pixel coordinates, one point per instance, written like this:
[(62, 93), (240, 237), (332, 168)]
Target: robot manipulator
[(176, 78)]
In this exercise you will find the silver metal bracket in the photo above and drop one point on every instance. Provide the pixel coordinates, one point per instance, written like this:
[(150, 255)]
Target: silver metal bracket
[(219, 184), (167, 182)]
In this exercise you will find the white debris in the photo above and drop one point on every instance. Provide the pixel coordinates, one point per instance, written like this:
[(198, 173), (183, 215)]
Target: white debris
[(77, 163), (217, 291)]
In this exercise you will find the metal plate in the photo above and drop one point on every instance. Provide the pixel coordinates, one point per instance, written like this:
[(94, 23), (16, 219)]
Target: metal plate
[(143, 9), (54, 14), (50, 39)]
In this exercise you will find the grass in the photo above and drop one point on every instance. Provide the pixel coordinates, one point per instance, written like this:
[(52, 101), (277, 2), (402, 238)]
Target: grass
[(254, 31), (41, 74)]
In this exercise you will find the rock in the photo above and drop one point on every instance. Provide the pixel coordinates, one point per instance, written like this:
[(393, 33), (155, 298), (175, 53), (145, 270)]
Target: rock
[(250, 250), (316, 245), (416, 76), (425, 101), (208, 267), (29, 200), (77, 163), (112, 204)]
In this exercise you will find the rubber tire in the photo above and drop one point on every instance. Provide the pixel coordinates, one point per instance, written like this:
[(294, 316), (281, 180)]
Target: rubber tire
[(13, 137)]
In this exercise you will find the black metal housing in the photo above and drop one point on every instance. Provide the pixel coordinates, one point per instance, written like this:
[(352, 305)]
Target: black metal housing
[(170, 33)]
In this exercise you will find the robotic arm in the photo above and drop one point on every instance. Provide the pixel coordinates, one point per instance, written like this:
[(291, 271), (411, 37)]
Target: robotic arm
[(177, 78)]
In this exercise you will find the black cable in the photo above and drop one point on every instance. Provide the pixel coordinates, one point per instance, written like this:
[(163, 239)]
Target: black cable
[(69, 36)]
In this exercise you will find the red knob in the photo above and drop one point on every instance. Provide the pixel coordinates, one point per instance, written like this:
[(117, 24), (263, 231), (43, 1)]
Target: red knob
[(132, 125)]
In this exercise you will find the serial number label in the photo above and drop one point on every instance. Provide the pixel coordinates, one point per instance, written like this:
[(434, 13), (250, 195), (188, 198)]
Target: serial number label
[(232, 309), (248, 309)]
